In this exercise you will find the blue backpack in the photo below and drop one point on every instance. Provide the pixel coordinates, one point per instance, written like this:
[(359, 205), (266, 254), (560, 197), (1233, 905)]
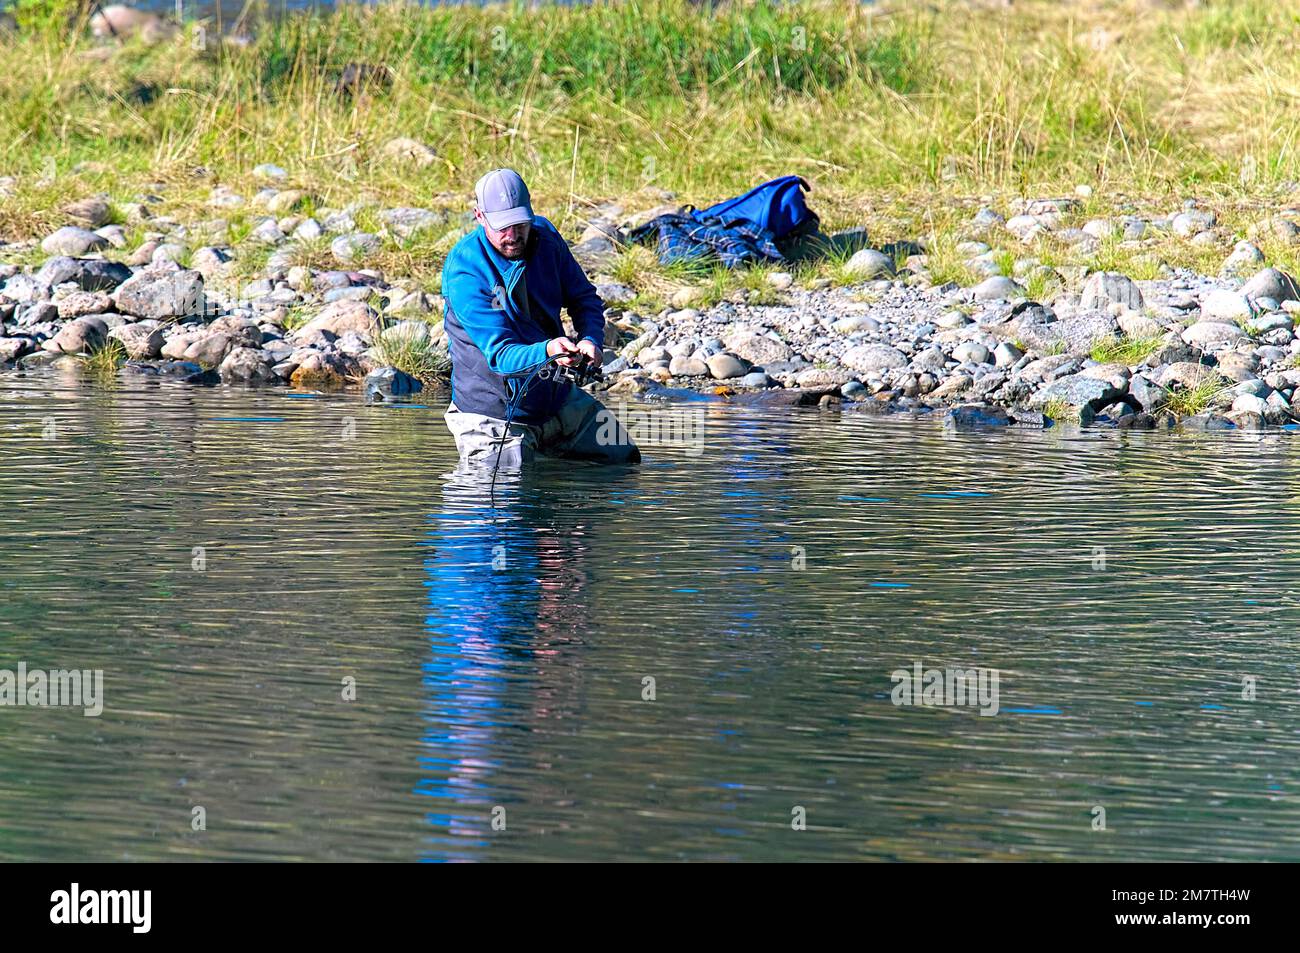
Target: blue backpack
[(776, 207)]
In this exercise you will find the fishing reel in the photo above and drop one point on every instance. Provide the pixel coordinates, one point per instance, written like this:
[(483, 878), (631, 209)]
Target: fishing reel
[(585, 372)]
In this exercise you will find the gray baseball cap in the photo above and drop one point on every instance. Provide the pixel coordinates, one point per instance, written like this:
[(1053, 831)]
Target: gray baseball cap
[(503, 199)]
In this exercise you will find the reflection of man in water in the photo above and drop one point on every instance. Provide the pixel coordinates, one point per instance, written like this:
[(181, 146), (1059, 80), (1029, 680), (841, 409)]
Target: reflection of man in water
[(515, 576), (508, 613), (504, 285)]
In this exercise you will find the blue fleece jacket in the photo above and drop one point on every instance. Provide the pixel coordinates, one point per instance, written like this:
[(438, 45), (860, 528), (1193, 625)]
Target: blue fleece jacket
[(501, 313)]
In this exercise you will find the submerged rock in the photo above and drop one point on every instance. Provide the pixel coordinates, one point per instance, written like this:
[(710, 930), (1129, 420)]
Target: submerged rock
[(389, 383), (1030, 419), (1139, 421), (1207, 421), (786, 397), (976, 416), (246, 365)]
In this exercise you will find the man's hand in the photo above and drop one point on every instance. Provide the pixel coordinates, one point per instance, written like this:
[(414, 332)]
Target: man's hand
[(594, 354), (568, 353)]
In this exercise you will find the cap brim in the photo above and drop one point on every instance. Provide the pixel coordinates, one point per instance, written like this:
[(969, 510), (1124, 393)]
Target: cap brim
[(508, 217)]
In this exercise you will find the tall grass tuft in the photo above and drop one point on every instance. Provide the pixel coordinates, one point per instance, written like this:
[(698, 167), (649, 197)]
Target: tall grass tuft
[(103, 362), (1189, 401), (1125, 350), (415, 355)]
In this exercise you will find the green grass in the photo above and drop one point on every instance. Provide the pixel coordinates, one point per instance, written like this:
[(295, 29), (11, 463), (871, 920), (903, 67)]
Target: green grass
[(298, 315), (420, 358), (250, 261), (757, 285), (418, 258), (1125, 350), (708, 281), (103, 362), (945, 263), (601, 99), (1005, 261), (1061, 410), (239, 228), (25, 257), (1041, 285), (1189, 401), (1112, 254), (311, 253), (1225, 26), (902, 115), (631, 265), (609, 96)]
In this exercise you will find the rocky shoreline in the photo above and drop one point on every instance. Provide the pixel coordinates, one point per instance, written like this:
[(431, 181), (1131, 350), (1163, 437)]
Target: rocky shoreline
[(1202, 351)]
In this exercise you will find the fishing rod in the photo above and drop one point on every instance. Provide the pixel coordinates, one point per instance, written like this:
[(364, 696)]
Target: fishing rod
[(585, 372)]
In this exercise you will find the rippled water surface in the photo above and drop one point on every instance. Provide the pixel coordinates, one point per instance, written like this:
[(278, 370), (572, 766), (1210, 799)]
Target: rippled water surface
[(500, 655)]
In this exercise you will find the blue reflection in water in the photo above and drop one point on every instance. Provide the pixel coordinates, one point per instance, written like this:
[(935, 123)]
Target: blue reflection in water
[(507, 609)]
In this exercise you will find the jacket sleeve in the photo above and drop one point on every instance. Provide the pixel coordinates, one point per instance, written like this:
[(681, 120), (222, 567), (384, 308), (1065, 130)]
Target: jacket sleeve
[(486, 323), (580, 298)]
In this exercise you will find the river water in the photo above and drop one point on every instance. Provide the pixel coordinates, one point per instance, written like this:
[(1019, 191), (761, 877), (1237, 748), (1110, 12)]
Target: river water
[(687, 660)]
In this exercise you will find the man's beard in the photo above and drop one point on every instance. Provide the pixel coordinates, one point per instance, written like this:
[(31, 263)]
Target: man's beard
[(514, 248)]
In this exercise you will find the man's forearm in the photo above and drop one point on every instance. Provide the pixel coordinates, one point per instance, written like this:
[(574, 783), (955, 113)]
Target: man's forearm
[(500, 344), (590, 323), (582, 302)]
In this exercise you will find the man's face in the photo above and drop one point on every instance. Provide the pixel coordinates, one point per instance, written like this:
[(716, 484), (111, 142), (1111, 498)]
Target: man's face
[(510, 241)]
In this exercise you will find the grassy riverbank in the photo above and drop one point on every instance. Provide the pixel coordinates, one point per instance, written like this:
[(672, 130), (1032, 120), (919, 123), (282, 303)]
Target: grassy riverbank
[(902, 116)]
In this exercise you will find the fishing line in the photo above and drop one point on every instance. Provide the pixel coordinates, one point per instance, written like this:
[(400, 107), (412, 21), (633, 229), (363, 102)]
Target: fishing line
[(579, 375)]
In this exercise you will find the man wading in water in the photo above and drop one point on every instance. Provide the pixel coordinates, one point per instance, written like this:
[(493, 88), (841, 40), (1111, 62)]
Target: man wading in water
[(504, 284)]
